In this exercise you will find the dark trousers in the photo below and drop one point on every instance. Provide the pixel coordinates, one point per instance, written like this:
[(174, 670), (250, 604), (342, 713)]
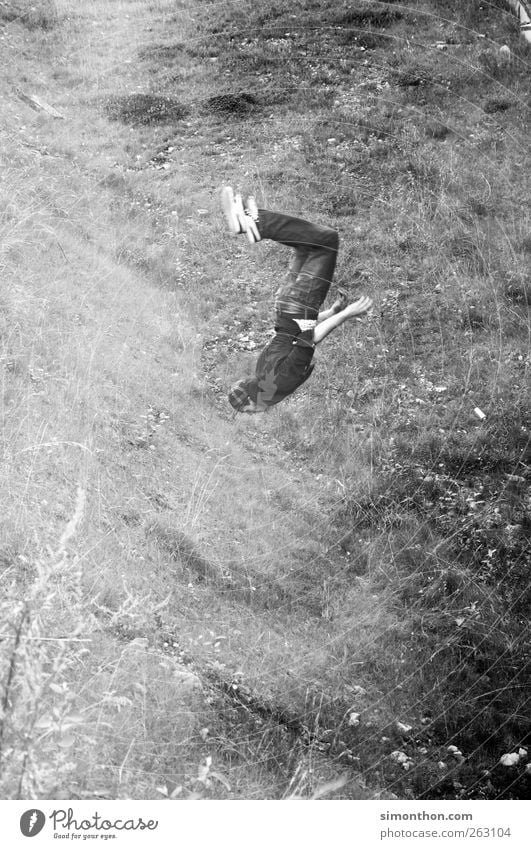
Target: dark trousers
[(312, 268)]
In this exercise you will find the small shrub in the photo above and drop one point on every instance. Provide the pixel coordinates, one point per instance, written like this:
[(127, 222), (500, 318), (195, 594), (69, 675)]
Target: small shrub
[(425, 174), (472, 13), (479, 207), (40, 725), (466, 248), (436, 129), (370, 40), (368, 14), (498, 104), (181, 549), (231, 104), (412, 75), (495, 66), (518, 289), (474, 318)]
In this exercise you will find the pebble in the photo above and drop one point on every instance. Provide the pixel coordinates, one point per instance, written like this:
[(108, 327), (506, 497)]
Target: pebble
[(510, 759)]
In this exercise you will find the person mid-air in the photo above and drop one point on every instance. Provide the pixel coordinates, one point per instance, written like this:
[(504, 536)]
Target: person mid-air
[(285, 363)]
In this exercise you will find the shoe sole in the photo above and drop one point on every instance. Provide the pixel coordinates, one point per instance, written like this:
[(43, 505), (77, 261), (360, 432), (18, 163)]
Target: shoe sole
[(228, 204), (253, 233)]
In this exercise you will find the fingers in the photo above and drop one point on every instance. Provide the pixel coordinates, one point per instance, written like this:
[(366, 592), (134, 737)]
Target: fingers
[(362, 305)]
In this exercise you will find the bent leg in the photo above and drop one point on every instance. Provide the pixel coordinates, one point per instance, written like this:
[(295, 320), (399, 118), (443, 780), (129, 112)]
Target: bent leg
[(313, 265)]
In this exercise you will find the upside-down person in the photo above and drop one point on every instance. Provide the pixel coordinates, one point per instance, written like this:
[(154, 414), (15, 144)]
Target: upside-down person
[(286, 362)]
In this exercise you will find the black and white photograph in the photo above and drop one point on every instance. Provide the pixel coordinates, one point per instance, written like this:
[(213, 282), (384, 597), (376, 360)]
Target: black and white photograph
[(265, 354)]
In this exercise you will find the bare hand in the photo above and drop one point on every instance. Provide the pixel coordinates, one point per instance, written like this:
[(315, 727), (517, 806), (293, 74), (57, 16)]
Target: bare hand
[(340, 302), (359, 307)]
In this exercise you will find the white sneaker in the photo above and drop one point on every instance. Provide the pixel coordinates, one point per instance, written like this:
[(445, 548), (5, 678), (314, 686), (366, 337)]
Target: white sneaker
[(251, 211), (240, 220)]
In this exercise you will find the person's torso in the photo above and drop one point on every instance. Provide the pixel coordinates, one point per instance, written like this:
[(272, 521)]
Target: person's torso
[(279, 373)]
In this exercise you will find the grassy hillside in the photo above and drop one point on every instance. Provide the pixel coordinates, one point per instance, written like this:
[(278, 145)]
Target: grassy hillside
[(332, 599)]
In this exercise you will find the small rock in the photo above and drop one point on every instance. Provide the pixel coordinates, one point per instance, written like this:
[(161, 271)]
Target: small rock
[(354, 719), (403, 729), (510, 759), (400, 757)]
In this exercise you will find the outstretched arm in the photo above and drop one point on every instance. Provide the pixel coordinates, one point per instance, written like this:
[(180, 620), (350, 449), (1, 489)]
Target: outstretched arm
[(338, 305), (357, 308)]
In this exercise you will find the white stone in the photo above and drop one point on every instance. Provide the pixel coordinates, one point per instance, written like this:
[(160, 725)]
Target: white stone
[(509, 759), (399, 757)]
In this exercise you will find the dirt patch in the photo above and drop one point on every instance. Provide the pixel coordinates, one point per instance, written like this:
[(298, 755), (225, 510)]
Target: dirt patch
[(145, 109)]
